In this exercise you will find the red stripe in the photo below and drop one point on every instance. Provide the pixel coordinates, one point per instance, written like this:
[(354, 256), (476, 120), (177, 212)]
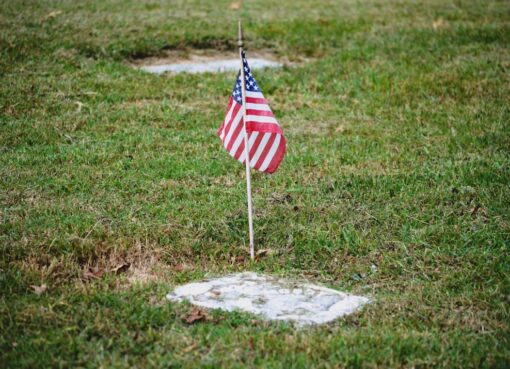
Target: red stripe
[(260, 113), (255, 145), (263, 127), (226, 112), (221, 129), (265, 151), (278, 156), (237, 107), (256, 100), (239, 151), (235, 135)]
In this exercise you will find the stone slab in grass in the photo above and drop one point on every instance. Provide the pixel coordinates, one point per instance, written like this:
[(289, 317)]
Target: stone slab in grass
[(270, 297), (204, 61), (215, 66)]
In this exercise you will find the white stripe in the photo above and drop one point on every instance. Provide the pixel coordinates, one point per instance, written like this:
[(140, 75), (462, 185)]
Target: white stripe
[(262, 144), (260, 119), (233, 127), (235, 146), (258, 95), (227, 119), (263, 107), (270, 154), (251, 141)]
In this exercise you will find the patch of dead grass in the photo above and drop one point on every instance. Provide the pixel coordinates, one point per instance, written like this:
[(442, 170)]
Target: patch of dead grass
[(132, 266)]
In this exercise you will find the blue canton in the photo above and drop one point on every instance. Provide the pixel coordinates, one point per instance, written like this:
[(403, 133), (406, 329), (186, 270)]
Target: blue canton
[(251, 84)]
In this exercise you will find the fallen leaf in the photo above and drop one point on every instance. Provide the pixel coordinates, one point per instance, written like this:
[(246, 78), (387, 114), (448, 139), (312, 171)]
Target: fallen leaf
[(181, 267), (439, 23), (196, 315), (52, 15), (280, 198), (478, 209), (340, 128), (92, 273), (264, 252), (290, 240), (39, 290), (121, 268), (235, 6), (238, 259), (79, 106), (190, 348)]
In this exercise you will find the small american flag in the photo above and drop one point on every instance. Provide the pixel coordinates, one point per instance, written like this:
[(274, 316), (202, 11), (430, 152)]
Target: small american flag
[(265, 137)]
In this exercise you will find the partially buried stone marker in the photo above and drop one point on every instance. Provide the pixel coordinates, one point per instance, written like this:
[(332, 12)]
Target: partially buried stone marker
[(270, 297), (212, 66)]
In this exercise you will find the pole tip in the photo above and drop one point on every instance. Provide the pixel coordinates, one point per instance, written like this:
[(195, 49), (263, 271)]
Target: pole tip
[(240, 42)]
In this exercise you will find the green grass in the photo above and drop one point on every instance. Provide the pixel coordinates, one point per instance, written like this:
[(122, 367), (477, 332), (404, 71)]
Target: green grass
[(398, 132)]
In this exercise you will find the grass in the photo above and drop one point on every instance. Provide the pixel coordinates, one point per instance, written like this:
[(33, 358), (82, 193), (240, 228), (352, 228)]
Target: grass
[(398, 157)]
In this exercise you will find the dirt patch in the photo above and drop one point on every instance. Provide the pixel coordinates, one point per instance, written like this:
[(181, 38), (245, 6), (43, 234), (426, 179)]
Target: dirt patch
[(138, 265)]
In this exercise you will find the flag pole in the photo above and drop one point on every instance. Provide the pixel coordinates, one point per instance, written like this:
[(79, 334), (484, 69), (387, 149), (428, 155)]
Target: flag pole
[(246, 147)]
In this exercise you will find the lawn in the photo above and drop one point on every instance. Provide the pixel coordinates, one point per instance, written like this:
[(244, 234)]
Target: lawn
[(114, 187)]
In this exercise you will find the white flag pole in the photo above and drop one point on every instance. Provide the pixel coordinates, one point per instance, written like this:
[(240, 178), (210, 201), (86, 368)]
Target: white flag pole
[(246, 147)]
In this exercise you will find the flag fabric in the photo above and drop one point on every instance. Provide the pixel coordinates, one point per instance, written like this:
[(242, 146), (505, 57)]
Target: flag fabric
[(265, 137)]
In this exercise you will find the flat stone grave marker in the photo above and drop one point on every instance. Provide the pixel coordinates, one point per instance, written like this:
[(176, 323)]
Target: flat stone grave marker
[(270, 297), (204, 62)]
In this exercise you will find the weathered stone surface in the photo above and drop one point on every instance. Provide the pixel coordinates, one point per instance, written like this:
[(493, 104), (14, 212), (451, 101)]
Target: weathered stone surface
[(212, 66), (270, 297)]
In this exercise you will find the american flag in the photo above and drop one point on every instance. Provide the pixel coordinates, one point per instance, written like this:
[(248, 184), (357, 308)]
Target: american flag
[(265, 137)]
